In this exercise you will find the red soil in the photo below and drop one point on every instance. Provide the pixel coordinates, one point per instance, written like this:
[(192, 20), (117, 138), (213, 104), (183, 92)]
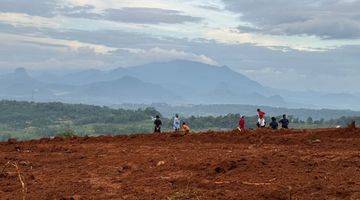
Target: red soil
[(309, 164)]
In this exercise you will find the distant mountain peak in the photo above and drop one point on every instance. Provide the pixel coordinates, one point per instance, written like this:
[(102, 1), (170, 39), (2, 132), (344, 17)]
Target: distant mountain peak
[(21, 72), (19, 75), (188, 62)]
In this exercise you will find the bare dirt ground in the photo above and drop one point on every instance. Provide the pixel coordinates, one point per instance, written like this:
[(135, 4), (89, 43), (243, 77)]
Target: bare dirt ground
[(299, 164)]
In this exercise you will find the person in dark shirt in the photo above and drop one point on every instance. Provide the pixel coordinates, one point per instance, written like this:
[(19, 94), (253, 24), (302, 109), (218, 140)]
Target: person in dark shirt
[(274, 125), (158, 124), (284, 122)]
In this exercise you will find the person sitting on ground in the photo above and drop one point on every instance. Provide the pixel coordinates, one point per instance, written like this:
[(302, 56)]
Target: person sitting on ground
[(185, 128), (284, 122), (274, 125), (261, 119), (158, 124), (176, 124), (242, 123)]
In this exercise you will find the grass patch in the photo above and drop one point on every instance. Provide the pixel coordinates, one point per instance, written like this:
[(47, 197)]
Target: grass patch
[(67, 134), (184, 194)]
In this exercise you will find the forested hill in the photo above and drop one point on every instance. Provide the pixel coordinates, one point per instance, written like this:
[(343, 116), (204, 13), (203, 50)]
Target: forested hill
[(29, 120), (247, 110), (19, 115)]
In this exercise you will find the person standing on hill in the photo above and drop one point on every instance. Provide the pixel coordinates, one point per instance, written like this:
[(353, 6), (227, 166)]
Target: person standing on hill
[(284, 122), (242, 123), (261, 119), (274, 125), (158, 124), (176, 124)]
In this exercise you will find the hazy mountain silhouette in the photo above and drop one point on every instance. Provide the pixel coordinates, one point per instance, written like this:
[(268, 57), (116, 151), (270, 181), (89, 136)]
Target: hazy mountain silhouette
[(194, 82), (20, 84), (201, 83), (178, 73), (196, 75), (125, 89), (171, 82)]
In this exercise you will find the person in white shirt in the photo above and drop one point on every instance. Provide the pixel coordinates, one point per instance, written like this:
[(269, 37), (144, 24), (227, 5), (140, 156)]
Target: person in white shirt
[(176, 124)]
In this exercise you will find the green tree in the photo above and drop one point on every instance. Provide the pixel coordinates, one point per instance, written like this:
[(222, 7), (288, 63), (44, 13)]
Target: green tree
[(309, 120)]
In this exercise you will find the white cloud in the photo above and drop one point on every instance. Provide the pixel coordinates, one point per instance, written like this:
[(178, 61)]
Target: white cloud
[(71, 45), (60, 52), (327, 19), (217, 25), (159, 55), (309, 43), (21, 19)]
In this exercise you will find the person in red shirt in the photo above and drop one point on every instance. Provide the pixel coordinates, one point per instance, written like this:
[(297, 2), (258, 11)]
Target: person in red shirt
[(242, 123), (261, 121)]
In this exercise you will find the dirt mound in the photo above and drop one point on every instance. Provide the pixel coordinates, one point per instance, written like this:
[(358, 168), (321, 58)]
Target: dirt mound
[(263, 164)]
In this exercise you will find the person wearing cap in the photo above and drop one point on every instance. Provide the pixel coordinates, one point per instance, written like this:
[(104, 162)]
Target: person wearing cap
[(261, 119)]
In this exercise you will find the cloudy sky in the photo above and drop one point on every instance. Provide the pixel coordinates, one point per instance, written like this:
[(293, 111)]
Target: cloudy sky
[(291, 44)]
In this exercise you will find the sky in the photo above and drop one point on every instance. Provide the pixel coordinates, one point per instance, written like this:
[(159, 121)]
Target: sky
[(287, 44)]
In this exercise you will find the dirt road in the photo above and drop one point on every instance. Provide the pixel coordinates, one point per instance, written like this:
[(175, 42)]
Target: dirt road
[(301, 164)]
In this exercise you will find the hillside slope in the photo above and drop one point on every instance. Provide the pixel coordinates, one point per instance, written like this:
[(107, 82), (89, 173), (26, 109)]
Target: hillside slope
[(319, 164)]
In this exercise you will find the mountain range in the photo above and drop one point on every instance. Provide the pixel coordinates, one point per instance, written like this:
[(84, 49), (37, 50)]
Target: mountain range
[(174, 82)]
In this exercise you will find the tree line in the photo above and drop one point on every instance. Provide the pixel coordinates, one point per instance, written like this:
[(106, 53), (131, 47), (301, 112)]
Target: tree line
[(19, 115), (29, 120)]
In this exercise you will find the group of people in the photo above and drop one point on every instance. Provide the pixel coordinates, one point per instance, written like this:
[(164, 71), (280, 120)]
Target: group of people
[(177, 126), (261, 123), (284, 123)]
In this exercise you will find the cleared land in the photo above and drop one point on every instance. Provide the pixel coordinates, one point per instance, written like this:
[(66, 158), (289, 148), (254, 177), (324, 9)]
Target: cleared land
[(263, 164)]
